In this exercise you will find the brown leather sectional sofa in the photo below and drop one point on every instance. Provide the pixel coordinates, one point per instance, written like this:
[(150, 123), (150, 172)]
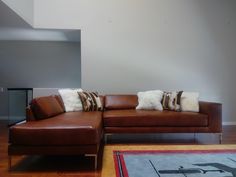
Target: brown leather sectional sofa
[(73, 133)]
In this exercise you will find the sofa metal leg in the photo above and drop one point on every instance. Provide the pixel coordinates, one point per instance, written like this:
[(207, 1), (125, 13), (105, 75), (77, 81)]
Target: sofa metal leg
[(9, 163), (194, 136), (95, 162), (220, 138), (106, 137), (95, 159)]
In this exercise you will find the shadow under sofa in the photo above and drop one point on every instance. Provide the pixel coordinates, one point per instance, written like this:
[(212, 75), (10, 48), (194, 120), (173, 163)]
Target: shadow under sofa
[(74, 133)]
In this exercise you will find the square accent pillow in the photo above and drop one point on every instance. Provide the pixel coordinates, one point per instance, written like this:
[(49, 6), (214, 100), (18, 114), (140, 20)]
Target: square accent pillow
[(90, 101), (171, 100), (45, 107), (190, 101), (150, 100), (71, 99)]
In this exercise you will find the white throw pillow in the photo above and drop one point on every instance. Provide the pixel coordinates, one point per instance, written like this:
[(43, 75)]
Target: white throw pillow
[(190, 102), (71, 99), (150, 100)]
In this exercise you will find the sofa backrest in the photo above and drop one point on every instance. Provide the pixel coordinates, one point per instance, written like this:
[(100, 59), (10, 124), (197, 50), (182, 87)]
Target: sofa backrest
[(29, 114), (60, 101), (46, 106), (113, 102)]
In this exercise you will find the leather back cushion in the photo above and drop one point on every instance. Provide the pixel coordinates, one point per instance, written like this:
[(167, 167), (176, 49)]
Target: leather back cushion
[(45, 107), (60, 101), (113, 102)]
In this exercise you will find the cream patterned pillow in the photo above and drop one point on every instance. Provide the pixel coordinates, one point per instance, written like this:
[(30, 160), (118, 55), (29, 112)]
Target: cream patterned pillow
[(190, 102), (171, 100), (150, 100), (71, 99), (90, 101)]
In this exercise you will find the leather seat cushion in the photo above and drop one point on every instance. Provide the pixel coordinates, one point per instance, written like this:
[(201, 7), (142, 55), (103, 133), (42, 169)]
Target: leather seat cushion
[(72, 128), (145, 118)]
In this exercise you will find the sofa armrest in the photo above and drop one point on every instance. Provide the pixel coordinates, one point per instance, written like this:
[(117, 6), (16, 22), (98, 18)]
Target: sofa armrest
[(214, 112), (29, 114)]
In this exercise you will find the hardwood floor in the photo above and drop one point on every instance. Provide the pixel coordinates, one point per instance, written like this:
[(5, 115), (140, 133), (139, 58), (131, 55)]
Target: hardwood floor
[(80, 166)]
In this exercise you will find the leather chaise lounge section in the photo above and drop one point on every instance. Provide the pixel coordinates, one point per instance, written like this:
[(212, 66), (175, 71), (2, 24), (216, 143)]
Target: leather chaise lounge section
[(68, 133), (72, 133)]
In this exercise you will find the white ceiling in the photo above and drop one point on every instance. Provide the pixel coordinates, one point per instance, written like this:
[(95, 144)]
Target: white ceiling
[(13, 27)]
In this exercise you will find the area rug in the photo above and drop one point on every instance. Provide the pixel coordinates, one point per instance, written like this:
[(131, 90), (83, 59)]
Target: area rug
[(169, 161)]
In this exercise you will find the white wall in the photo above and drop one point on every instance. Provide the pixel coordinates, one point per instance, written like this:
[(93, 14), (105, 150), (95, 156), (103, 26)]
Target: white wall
[(59, 14), (133, 45)]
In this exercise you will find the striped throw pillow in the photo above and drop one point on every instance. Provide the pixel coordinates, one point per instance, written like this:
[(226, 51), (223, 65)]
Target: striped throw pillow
[(90, 101), (171, 100)]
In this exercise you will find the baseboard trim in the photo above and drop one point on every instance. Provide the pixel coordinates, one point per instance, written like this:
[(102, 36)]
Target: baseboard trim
[(229, 123), (3, 118)]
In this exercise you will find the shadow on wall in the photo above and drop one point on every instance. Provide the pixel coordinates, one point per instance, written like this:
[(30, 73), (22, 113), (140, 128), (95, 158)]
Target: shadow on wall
[(9, 18)]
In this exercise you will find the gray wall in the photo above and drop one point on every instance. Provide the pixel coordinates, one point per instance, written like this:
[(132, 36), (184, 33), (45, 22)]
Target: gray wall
[(38, 64)]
